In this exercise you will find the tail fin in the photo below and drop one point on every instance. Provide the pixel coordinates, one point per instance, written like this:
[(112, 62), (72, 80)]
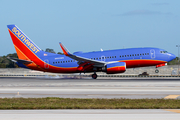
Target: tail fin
[(25, 48)]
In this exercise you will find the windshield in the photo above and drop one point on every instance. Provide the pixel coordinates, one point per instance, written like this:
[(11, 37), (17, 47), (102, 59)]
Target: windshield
[(163, 52)]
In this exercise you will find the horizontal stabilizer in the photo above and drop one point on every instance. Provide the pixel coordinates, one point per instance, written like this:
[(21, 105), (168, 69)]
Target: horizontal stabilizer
[(19, 60)]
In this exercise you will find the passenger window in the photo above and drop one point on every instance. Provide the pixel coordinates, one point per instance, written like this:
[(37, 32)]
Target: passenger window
[(127, 55), (124, 55), (112, 56), (119, 56)]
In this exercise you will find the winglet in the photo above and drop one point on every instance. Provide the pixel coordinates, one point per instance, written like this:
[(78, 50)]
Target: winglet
[(65, 51)]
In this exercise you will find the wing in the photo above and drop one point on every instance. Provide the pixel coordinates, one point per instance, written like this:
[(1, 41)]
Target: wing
[(82, 59)]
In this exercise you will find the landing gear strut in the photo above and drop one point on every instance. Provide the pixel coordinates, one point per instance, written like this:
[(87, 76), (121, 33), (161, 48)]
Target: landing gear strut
[(94, 76), (156, 71)]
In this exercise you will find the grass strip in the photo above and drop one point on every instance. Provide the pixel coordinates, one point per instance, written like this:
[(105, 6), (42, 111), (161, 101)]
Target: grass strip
[(74, 103)]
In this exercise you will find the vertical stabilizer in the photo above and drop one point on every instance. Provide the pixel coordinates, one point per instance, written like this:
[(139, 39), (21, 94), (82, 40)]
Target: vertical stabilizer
[(25, 48)]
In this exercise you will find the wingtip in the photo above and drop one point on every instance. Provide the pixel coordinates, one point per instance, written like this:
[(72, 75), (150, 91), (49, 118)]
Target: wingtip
[(65, 51)]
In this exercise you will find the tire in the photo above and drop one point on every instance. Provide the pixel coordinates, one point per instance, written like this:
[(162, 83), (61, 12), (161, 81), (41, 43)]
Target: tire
[(157, 71), (94, 76)]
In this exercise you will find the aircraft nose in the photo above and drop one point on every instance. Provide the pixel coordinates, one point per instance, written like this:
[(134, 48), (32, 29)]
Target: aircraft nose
[(172, 56)]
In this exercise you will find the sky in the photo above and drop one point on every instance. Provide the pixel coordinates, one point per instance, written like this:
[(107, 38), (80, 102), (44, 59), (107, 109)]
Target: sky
[(92, 25)]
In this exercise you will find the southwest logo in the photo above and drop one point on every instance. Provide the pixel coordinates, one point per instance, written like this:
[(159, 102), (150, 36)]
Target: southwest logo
[(25, 40)]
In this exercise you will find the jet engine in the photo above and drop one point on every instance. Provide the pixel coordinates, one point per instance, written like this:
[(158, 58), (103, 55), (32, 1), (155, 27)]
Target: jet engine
[(112, 68)]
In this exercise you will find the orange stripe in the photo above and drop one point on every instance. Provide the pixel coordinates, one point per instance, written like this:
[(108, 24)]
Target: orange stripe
[(21, 54), (32, 65)]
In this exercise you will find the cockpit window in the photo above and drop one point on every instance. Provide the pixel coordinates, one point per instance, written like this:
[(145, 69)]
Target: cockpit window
[(163, 52)]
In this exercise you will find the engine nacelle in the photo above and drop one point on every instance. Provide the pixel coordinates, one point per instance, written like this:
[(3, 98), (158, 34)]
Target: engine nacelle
[(112, 68)]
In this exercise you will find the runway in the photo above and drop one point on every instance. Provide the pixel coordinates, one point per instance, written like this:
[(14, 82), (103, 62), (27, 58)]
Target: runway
[(89, 88), (125, 114)]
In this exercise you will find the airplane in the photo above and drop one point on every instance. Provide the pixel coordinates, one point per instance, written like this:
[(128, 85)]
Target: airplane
[(109, 61)]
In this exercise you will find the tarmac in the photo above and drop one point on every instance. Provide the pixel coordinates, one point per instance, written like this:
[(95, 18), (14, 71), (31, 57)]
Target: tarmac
[(133, 88), (89, 88), (109, 114)]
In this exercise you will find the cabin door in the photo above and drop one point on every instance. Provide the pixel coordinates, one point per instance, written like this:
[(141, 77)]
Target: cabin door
[(152, 52)]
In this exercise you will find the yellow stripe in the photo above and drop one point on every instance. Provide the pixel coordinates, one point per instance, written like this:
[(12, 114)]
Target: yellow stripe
[(172, 110), (171, 96), (142, 59), (116, 67)]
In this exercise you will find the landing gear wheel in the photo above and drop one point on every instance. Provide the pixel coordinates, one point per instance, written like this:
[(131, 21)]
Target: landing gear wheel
[(94, 76), (156, 71)]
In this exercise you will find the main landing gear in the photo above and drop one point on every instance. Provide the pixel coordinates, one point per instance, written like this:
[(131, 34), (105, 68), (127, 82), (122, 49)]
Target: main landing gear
[(94, 76)]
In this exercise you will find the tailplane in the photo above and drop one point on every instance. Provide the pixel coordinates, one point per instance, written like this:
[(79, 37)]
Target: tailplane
[(20, 62)]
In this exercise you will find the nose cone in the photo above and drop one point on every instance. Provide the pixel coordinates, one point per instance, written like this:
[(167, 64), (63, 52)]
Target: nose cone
[(171, 56)]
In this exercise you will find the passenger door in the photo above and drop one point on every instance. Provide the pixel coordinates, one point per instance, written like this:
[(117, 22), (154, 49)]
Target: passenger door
[(103, 58), (152, 52)]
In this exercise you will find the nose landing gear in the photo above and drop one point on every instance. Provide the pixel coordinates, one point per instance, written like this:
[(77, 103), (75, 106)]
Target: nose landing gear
[(156, 71)]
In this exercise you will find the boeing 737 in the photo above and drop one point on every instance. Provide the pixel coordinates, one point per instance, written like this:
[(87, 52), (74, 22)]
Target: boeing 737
[(110, 61)]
